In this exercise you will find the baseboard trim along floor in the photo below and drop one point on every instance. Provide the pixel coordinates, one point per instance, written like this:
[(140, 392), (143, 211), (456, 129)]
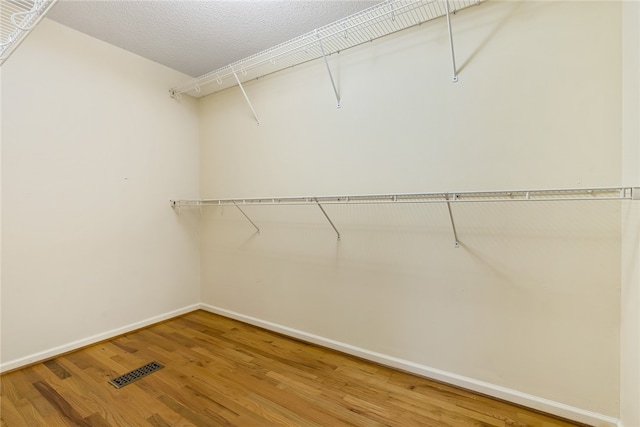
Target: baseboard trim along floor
[(78, 344), (499, 392)]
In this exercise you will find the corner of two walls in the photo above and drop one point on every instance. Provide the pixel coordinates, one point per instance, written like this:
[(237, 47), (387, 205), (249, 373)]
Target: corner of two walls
[(1, 214), (93, 149), (630, 292), (531, 301)]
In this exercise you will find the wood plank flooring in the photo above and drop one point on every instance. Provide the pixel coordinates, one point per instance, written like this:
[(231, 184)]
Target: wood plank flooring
[(220, 372)]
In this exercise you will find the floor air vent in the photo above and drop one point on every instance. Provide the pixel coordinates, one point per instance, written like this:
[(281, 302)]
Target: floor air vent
[(135, 375)]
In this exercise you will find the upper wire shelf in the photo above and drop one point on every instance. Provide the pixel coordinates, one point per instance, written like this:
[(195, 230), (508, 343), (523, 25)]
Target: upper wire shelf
[(17, 19), (377, 21)]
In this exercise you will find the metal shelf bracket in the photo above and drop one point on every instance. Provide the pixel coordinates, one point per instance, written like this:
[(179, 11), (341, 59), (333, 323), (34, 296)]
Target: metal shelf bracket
[(247, 217), (326, 63), (453, 55), (456, 243), (246, 97), (327, 217), (175, 205)]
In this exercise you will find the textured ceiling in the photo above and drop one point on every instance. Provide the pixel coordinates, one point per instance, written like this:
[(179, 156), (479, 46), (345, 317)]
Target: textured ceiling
[(196, 37)]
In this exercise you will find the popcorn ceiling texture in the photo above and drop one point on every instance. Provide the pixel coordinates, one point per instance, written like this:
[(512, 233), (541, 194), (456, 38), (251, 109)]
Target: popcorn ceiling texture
[(196, 37)]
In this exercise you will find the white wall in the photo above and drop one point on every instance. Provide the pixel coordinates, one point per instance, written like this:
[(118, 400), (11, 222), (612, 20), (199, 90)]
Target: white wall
[(93, 148), (531, 302), (0, 213), (630, 295)]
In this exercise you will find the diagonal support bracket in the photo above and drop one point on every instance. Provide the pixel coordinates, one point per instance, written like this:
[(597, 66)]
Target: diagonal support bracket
[(453, 55), (327, 217), (456, 243), (246, 98), (326, 63), (247, 217)]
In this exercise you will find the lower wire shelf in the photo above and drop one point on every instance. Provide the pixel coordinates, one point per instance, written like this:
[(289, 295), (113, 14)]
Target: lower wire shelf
[(566, 194)]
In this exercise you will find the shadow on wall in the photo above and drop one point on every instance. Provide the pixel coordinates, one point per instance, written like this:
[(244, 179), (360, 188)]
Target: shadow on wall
[(536, 275), (417, 240), (497, 25), (485, 16)]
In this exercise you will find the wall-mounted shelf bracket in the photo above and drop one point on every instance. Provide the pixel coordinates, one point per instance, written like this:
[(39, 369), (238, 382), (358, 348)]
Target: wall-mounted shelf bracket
[(456, 243), (246, 98), (327, 217), (326, 63), (247, 217), (453, 55), (175, 205)]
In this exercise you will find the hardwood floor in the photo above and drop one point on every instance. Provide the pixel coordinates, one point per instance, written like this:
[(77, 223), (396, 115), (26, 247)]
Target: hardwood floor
[(219, 372)]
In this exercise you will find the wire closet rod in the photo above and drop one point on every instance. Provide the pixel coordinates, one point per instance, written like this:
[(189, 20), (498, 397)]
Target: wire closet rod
[(571, 194)]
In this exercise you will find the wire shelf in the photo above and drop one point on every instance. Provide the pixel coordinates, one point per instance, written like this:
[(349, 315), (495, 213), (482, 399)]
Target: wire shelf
[(17, 19), (380, 20), (618, 193), (571, 194)]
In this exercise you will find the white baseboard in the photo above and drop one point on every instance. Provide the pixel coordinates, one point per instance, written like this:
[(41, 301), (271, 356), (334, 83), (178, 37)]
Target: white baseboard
[(524, 399), (56, 351)]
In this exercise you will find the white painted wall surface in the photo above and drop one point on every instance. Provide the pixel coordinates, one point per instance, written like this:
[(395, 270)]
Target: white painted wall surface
[(0, 213), (531, 301), (630, 295), (93, 148)]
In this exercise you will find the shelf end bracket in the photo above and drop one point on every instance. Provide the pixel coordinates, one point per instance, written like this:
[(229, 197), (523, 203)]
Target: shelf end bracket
[(175, 205)]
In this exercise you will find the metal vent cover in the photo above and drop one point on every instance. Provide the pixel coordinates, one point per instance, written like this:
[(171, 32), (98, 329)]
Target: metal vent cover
[(135, 375)]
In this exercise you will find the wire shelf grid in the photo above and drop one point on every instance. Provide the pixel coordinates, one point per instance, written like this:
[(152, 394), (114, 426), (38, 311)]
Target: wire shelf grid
[(17, 19), (618, 193), (377, 21)]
